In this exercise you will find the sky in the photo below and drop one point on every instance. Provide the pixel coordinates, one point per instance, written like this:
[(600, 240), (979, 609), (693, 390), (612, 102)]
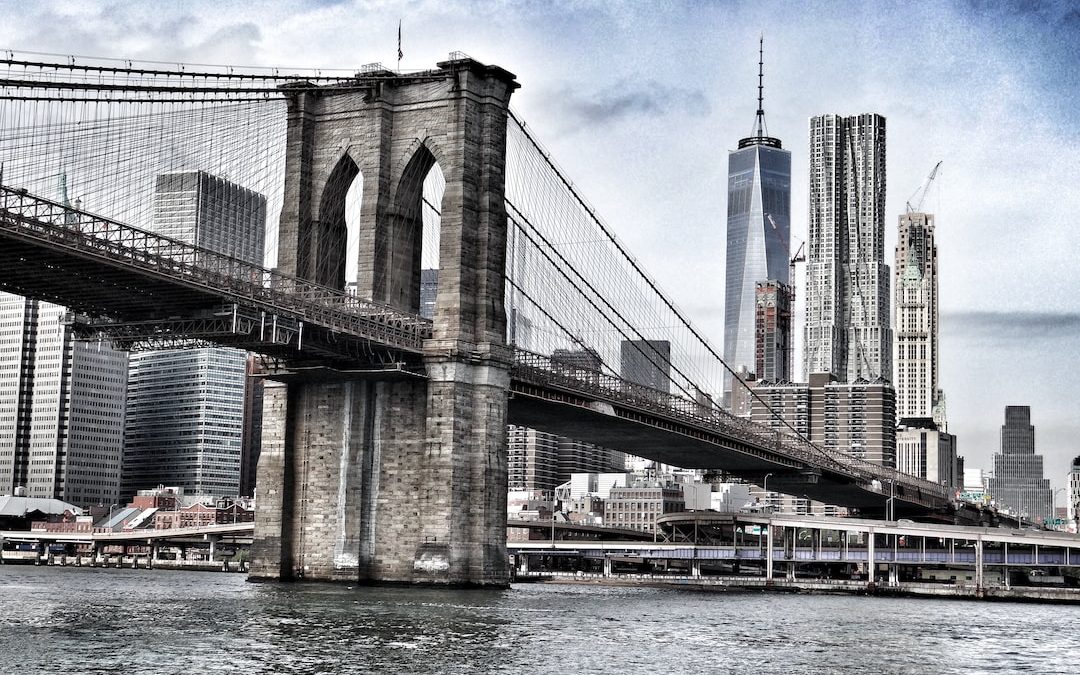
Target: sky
[(640, 102)]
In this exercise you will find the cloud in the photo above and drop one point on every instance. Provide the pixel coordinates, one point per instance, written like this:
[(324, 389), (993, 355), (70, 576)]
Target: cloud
[(624, 101), (1003, 326), (229, 44)]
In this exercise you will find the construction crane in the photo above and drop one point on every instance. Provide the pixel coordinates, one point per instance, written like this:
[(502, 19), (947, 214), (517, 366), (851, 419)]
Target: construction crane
[(799, 257), (923, 189)]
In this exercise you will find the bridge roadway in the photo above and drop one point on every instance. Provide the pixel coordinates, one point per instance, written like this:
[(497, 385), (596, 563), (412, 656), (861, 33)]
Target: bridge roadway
[(156, 291), (159, 292)]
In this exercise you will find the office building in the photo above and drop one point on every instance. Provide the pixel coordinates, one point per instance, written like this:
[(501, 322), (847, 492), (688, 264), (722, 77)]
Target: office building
[(212, 213), (61, 407), (1018, 484), (637, 507), (915, 346), (429, 292), (847, 330), (772, 332), (573, 359), (186, 408), (758, 234), (1074, 491), (646, 362), (925, 452), (858, 418), (185, 422), (538, 460)]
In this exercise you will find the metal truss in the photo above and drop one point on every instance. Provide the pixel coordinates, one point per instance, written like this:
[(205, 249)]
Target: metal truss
[(540, 370), (285, 300)]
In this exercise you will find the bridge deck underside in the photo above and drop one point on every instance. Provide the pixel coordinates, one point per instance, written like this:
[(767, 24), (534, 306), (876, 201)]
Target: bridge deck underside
[(160, 304), (663, 441)]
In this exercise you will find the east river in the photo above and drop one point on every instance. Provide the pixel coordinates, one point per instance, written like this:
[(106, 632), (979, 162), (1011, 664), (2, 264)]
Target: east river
[(81, 620)]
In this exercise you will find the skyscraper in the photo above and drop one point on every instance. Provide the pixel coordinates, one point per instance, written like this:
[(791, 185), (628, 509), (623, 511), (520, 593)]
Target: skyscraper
[(211, 213), (847, 281), (1074, 491), (61, 407), (924, 448), (1018, 482), (915, 349), (646, 362), (185, 423), (538, 460), (772, 342), (429, 292), (758, 232)]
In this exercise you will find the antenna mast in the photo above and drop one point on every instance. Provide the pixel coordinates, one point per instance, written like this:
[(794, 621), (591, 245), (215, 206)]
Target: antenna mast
[(760, 134), (761, 87)]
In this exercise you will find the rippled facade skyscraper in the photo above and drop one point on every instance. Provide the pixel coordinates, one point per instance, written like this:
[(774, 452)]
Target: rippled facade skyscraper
[(848, 331), (758, 232)]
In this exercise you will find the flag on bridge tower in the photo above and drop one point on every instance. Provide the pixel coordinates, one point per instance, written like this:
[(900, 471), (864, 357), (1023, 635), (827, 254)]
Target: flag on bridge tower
[(399, 53)]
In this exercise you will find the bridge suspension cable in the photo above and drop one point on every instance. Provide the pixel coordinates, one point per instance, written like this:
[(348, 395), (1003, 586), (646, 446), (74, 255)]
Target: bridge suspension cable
[(115, 139)]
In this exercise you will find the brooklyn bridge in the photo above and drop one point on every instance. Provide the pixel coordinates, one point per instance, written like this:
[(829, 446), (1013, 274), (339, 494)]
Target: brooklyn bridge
[(384, 433)]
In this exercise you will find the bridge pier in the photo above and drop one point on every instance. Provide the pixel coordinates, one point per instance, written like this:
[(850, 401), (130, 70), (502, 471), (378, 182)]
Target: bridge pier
[(395, 477), (386, 481)]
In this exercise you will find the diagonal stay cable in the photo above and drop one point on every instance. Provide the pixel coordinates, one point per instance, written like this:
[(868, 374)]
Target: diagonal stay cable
[(652, 285), (591, 288)]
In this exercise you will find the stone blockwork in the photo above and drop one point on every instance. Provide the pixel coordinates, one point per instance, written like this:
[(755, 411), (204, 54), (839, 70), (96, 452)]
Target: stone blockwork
[(396, 480)]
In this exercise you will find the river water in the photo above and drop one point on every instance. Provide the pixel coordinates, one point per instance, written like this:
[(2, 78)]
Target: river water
[(82, 620)]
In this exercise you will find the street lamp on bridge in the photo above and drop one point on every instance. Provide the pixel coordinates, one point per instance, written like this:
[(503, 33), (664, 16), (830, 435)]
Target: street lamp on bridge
[(765, 487)]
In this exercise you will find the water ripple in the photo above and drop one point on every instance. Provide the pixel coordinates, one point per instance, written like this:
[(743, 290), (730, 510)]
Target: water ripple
[(81, 620)]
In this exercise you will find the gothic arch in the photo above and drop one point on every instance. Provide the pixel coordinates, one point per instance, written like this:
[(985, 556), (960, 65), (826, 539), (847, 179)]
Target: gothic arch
[(330, 231)]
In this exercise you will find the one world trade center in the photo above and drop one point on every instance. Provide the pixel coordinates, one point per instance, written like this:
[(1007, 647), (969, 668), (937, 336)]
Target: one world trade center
[(758, 239)]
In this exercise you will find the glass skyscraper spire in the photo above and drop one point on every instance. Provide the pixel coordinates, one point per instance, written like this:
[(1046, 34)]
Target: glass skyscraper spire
[(758, 231)]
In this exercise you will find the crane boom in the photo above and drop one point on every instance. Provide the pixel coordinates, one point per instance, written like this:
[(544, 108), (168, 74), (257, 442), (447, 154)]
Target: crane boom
[(922, 190)]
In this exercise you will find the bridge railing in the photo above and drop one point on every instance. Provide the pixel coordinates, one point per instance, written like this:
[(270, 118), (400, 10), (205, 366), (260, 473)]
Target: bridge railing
[(33, 217), (543, 370)]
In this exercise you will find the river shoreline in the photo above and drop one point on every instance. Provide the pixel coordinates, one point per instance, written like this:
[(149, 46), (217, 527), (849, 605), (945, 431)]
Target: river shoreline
[(1028, 594)]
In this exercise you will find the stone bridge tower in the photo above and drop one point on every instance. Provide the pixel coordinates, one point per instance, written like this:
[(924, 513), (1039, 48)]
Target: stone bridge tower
[(371, 476)]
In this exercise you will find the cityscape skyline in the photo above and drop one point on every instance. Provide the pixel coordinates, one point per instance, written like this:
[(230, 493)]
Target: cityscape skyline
[(993, 325)]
